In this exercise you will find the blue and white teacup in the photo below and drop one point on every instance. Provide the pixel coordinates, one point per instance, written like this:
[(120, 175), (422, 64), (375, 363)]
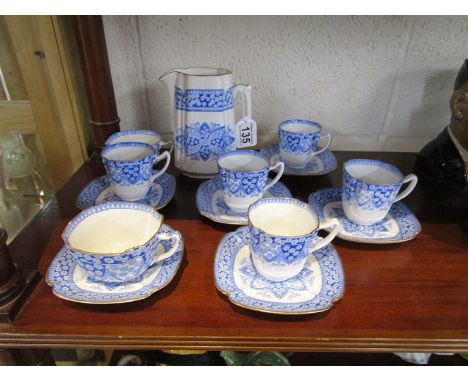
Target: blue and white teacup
[(282, 235), (244, 177), (298, 141), (370, 187), (149, 137), (129, 166), (116, 242)]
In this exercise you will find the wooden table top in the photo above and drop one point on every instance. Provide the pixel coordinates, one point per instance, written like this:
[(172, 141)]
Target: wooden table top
[(411, 296)]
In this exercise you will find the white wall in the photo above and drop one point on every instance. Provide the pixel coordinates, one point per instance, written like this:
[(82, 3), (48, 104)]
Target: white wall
[(377, 83)]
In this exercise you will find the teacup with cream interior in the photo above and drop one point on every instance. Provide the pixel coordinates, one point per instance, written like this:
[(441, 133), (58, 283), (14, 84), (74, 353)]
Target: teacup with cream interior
[(283, 233)]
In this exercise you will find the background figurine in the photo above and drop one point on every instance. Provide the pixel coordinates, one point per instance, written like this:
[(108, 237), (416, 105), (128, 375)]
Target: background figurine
[(444, 160)]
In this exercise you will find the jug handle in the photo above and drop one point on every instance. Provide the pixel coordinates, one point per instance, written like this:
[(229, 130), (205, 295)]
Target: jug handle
[(245, 90)]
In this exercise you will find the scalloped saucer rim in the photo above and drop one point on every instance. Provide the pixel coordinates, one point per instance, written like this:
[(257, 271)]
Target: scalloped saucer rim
[(211, 188), (327, 159), (400, 222), (227, 268), (99, 188)]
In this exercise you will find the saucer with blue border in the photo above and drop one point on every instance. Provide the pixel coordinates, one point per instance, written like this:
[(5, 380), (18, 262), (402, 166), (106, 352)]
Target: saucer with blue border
[(99, 191), (70, 283), (399, 225), (320, 164), (320, 283), (210, 202)]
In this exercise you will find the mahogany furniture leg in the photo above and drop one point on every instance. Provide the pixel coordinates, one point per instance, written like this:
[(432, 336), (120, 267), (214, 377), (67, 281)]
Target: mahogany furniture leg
[(91, 42), (15, 285)]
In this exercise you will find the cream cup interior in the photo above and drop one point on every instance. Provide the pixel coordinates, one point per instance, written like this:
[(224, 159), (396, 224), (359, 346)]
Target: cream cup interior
[(127, 154), (302, 128), (373, 174), (139, 137), (243, 162), (114, 231), (283, 219)]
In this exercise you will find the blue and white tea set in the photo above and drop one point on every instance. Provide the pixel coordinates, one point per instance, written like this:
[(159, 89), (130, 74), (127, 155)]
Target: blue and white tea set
[(118, 249)]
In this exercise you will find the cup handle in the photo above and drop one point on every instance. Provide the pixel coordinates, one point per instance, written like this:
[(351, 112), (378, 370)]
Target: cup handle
[(168, 144), (159, 158), (413, 179), (326, 240), (329, 137), (277, 177), (172, 251)]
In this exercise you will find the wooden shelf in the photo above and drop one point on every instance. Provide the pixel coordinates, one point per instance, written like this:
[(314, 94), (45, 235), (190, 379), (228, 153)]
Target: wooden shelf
[(408, 297)]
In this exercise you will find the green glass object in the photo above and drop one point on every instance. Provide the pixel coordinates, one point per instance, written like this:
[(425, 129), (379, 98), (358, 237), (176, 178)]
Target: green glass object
[(18, 161), (259, 358)]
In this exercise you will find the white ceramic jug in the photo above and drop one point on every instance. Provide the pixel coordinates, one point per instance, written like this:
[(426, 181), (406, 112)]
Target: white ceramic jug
[(202, 117)]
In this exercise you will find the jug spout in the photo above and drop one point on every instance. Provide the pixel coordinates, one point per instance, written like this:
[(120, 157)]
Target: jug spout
[(169, 78)]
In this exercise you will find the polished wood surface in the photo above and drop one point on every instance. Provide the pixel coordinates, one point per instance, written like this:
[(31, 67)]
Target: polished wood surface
[(411, 296)]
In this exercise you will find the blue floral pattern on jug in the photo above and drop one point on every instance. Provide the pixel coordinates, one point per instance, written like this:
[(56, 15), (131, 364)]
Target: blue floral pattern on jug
[(205, 141), (204, 100), (368, 196), (277, 297)]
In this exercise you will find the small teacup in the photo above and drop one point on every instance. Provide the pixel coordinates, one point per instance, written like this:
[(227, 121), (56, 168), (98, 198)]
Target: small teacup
[(298, 141), (244, 177), (282, 235), (116, 242), (149, 137), (370, 187), (129, 166)]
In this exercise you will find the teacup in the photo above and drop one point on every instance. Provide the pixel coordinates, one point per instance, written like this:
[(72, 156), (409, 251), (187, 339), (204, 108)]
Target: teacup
[(282, 235), (244, 177), (370, 187), (149, 137), (298, 141), (116, 242), (129, 166)]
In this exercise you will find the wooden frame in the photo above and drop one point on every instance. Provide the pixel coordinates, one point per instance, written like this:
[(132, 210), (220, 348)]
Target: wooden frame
[(50, 108)]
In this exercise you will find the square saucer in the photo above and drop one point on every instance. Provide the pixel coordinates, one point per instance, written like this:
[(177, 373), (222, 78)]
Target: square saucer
[(320, 164), (210, 202), (320, 283), (399, 225), (99, 191), (70, 283)]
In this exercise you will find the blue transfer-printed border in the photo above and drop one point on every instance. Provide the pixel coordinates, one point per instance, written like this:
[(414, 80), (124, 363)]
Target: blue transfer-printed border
[(204, 100), (125, 133), (333, 279), (302, 122), (113, 146), (254, 153), (372, 162)]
